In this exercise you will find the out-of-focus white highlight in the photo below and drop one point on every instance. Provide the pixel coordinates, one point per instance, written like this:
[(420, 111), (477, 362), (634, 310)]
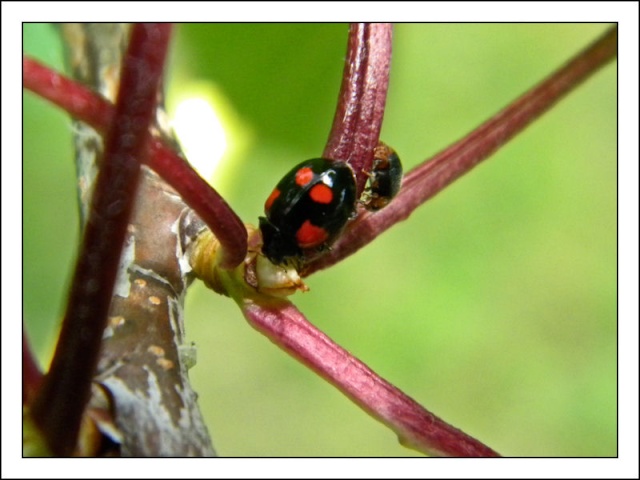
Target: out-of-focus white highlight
[(201, 133)]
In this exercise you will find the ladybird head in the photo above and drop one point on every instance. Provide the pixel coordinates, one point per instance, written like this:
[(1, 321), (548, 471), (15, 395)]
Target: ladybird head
[(277, 246)]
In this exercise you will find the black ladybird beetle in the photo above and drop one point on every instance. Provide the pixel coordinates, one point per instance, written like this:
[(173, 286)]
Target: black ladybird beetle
[(384, 179), (307, 210)]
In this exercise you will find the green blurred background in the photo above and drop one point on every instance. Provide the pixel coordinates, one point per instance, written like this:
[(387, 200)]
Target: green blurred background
[(494, 305)]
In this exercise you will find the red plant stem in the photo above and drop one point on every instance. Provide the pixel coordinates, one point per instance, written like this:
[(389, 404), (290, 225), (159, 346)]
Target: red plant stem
[(59, 404), (358, 119), (416, 427), (85, 105), (432, 176), (209, 205), (79, 101)]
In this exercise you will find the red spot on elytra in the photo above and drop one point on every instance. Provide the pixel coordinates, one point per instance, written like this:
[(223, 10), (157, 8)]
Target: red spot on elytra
[(309, 236), (304, 176), (272, 198), (321, 193)]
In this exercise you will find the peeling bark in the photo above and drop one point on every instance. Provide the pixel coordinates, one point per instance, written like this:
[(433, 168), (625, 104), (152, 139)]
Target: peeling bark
[(143, 361)]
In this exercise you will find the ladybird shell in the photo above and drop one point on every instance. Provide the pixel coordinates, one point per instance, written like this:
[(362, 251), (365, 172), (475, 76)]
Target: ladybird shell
[(307, 210)]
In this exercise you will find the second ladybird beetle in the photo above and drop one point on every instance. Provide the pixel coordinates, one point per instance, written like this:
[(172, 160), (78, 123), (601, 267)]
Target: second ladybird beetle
[(307, 210), (384, 180)]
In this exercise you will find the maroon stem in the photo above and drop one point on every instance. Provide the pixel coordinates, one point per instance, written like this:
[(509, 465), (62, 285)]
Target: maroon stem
[(432, 176), (85, 105), (416, 427), (208, 204), (76, 99), (59, 404), (358, 119)]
